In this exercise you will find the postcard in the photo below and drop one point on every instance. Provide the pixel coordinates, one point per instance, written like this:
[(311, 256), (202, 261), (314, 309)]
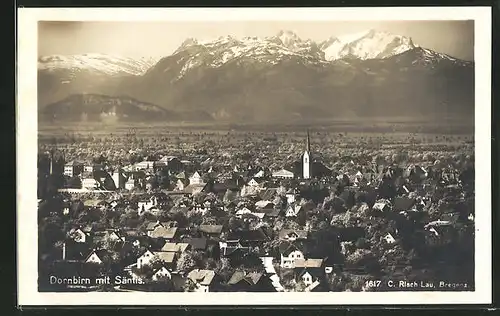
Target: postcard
[(254, 156)]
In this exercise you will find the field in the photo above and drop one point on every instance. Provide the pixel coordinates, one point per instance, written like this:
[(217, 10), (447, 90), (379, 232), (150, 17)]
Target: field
[(276, 142)]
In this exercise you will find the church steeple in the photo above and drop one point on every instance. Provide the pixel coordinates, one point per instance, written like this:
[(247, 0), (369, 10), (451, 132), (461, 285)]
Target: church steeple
[(308, 145), (51, 158), (306, 159)]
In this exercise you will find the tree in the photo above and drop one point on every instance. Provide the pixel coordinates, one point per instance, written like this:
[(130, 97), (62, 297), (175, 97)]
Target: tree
[(252, 261), (130, 219), (235, 223), (287, 278), (74, 182), (223, 269), (186, 262)]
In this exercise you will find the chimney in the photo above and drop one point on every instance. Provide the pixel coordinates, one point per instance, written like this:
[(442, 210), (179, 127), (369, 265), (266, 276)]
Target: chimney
[(64, 251)]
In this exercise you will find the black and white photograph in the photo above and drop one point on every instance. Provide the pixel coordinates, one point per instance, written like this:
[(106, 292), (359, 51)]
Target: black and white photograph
[(266, 155)]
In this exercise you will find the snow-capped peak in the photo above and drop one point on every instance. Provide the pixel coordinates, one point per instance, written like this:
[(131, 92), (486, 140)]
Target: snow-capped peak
[(288, 38), (221, 50), (368, 44), (106, 64)]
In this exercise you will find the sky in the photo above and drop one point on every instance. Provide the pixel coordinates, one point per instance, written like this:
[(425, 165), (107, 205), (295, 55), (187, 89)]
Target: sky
[(159, 39)]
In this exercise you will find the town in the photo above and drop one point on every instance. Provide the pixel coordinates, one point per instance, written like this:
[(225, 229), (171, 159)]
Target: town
[(176, 210)]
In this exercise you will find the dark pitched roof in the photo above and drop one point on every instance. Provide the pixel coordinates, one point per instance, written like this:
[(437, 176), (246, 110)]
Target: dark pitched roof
[(403, 203), (197, 243), (248, 235), (268, 194), (251, 278), (236, 277), (211, 229)]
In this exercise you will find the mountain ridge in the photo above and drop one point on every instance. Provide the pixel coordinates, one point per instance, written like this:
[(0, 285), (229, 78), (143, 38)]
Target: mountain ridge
[(286, 77)]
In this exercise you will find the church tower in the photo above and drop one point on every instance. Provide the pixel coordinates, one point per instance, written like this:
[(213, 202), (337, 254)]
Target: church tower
[(306, 160), (51, 161)]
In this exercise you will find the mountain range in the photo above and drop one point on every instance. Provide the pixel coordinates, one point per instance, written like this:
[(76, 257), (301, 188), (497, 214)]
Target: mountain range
[(276, 78)]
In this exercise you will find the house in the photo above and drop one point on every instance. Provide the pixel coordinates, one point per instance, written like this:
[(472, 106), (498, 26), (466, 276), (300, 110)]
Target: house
[(175, 247), (403, 204), (233, 248), (437, 227), (292, 234), (268, 194), (196, 179), (96, 256), (253, 183), (270, 213), (389, 239), (381, 206), (78, 235), (161, 274), (293, 210), (92, 204), (90, 184), (197, 243), (145, 165), (193, 188), (73, 168), (66, 208), (242, 212), (181, 184), (114, 235), (181, 175), (288, 254), (151, 226), (203, 279), (93, 167), (131, 183), (147, 205), (247, 238), (163, 232), (264, 204), (167, 258), (242, 281), (211, 231), (173, 163), (309, 270), (145, 258), (283, 174), (119, 179), (290, 196)]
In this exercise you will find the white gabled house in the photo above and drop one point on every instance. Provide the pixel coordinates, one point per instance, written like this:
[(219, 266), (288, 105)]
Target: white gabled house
[(162, 273), (389, 239), (196, 179), (283, 174), (145, 259), (253, 183), (288, 258), (293, 210)]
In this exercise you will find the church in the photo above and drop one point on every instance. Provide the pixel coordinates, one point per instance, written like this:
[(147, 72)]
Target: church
[(309, 166)]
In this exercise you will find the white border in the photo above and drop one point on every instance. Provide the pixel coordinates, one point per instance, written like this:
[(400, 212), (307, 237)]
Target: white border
[(27, 150)]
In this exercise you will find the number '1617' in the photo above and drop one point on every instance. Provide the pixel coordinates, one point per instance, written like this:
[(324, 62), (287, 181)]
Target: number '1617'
[(372, 283)]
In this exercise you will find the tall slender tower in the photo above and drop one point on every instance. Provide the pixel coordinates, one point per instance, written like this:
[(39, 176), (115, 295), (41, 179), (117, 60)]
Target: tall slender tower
[(306, 160), (51, 158)]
